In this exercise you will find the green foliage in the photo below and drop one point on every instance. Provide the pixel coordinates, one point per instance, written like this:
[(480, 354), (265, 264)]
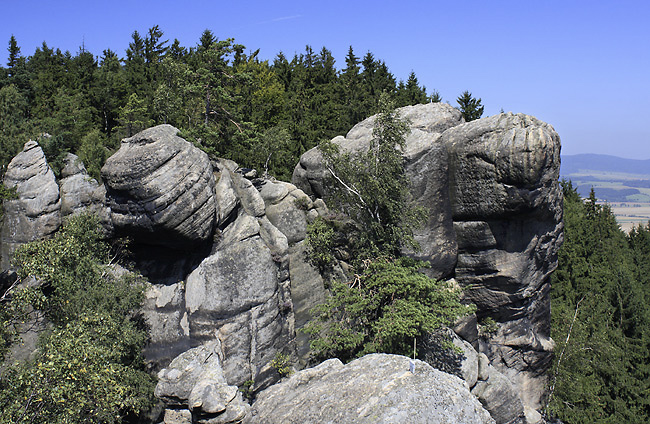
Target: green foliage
[(600, 318), (133, 117), (282, 364), (229, 103), (470, 107), (93, 153), (83, 373), (89, 368), (383, 309), (13, 123), (371, 187), (320, 241)]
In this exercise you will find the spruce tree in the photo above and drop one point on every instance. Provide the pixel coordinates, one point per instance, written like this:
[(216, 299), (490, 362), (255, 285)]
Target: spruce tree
[(469, 106)]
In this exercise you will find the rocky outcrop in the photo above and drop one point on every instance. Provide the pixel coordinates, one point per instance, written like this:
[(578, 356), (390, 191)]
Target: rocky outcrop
[(493, 389), (376, 388), (160, 189), (491, 190), (81, 193), (195, 390), (226, 257), (36, 212), (507, 210)]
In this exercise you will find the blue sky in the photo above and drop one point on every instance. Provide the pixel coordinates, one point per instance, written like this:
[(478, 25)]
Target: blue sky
[(582, 66)]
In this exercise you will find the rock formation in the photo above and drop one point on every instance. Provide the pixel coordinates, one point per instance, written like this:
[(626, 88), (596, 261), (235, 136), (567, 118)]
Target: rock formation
[(81, 193), (225, 254), (161, 189), (194, 389), (492, 193), (36, 212), (377, 388)]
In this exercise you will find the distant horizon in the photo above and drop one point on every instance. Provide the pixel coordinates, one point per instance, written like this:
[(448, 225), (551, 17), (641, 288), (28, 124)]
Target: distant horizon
[(604, 154)]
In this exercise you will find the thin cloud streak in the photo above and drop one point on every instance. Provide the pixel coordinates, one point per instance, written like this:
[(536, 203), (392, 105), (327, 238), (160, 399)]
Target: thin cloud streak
[(284, 18)]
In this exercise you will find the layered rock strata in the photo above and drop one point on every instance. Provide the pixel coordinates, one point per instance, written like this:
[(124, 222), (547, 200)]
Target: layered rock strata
[(161, 189), (36, 212)]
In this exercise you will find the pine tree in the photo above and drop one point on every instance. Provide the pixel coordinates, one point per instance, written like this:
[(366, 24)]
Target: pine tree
[(470, 107)]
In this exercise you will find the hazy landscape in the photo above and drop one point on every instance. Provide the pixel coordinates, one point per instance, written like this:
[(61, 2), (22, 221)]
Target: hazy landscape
[(622, 183)]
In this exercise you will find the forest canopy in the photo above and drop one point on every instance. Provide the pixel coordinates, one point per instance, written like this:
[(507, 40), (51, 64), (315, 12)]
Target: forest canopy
[(222, 96)]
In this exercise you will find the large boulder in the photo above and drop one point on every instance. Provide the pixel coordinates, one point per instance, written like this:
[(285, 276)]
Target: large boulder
[(36, 212), (160, 189), (377, 388)]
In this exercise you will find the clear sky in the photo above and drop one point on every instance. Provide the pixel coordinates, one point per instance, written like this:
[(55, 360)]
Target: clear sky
[(582, 66)]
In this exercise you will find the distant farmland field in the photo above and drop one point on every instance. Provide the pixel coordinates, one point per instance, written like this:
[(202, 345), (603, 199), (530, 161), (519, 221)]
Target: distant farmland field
[(631, 214), (624, 184)]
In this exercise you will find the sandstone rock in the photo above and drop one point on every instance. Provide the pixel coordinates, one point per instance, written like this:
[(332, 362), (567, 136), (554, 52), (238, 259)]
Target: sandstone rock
[(495, 207), (226, 198), (161, 189), (36, 213), (234, 279), (502, 166), (307, 291), (250, 198), (499, 397), (165, 314), (288, 215), (463, 364), (376, 388), (236, 295), (81, 193), (506, 204), (195, 381)]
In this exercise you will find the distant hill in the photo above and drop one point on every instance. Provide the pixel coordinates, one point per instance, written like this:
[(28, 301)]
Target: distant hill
[(613, 179), (573, 164)]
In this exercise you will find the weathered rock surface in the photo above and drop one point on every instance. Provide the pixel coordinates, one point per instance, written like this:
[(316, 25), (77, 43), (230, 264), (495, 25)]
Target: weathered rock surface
[(495, 208), (376, 388), (498, 395), (160, 189), (81, 193), (194, 382), (36, 213), (234, 295), (507, 210)]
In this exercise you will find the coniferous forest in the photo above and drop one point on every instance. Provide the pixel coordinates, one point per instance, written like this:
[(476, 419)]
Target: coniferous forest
[(264, 115), (218, 93)]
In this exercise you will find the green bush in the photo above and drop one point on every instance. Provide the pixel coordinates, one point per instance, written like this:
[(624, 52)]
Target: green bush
[(382, 310), (320, 242), (89, 368)]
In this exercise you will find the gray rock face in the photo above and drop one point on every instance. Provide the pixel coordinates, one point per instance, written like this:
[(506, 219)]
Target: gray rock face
[(507, 209), (81, 193), (495, 208), (36, 213), (376, 388), (194, 381), (234, 295), (161, 189), (498, 395)]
